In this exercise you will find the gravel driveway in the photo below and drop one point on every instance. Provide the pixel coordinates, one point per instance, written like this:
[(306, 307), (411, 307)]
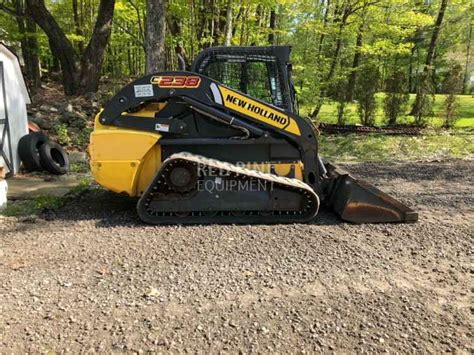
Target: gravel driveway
[(91, 277)]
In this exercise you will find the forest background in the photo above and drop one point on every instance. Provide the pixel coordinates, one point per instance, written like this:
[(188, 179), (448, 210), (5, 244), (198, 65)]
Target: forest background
[(370, 62)]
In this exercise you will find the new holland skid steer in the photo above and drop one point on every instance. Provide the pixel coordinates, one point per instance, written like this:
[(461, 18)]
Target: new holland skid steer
[(223, 143)]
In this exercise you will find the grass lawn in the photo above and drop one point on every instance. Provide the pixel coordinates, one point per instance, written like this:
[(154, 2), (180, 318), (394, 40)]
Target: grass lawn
[(434, 144), (378, 147), (465, 112)]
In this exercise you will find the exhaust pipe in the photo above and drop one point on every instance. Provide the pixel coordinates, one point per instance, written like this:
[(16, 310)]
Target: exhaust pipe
[(359, 202)]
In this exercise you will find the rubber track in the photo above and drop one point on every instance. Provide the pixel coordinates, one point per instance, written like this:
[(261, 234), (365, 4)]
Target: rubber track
[(206, 217)]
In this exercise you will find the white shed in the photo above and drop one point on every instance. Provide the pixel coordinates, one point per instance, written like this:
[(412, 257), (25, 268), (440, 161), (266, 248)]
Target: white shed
[(13, 116)]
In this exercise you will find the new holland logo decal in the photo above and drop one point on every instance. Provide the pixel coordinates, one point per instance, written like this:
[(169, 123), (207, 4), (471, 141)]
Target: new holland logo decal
[(258, 110), (261, 111)]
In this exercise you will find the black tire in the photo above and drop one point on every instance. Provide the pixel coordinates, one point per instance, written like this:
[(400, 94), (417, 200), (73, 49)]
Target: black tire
[(54, 159), (28, 150)]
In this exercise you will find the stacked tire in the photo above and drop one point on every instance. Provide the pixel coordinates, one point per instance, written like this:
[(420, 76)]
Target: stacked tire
[(37, 153)]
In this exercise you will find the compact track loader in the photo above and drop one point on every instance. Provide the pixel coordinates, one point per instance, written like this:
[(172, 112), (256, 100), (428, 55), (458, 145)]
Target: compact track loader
[(223, 143)]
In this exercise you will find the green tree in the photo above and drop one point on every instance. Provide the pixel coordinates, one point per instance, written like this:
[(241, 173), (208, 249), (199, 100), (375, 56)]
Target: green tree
[(452, 85), (366, 88), (396, 96), (330, 38), (424, 100)]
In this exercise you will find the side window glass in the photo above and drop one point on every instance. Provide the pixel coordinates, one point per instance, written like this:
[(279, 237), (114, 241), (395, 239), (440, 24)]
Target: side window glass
[(258, 79), (227, 73)]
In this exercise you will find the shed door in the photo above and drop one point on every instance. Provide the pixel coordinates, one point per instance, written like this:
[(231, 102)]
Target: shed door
[(6, 154)]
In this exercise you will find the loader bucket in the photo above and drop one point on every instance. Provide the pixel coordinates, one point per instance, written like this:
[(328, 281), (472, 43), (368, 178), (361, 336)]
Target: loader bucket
[(359, 202)]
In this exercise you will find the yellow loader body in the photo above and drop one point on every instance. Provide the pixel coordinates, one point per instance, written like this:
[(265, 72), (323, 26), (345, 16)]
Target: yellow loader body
[(125, 160)]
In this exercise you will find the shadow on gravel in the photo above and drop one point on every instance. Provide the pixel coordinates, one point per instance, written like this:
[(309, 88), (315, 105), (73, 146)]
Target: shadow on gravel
[(109, 209)]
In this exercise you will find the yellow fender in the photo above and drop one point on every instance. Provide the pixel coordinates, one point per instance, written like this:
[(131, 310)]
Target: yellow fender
[(124, 160)]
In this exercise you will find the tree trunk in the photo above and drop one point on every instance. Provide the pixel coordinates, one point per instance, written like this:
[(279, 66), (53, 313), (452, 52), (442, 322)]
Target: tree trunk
[(141, 33), (219, 25), (155, 36), (243, 27), (77, 25), (29, 47), (468, 59), (335, 56), (192, 29), (434, 37), (237, 19), (325, 22), (60, 44), (54, 66), (33, 64), (174, 25), (332, 69), (355, 64), (83, 78), (273, 21), (211, 23), (258, 16), (428, 68), (91, 61), (201, 20), (206, 28), (302, 79), (410, 70), (228, 24)]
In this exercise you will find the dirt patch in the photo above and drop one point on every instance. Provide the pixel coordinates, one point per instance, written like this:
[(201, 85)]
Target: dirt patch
[(27, 187), (91, 277)]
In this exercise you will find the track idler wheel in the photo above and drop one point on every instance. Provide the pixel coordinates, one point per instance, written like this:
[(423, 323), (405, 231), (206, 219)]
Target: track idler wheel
[(181, 177)]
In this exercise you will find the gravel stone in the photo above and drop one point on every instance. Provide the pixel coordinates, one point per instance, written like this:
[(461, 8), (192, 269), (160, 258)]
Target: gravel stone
[(91, 277)]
